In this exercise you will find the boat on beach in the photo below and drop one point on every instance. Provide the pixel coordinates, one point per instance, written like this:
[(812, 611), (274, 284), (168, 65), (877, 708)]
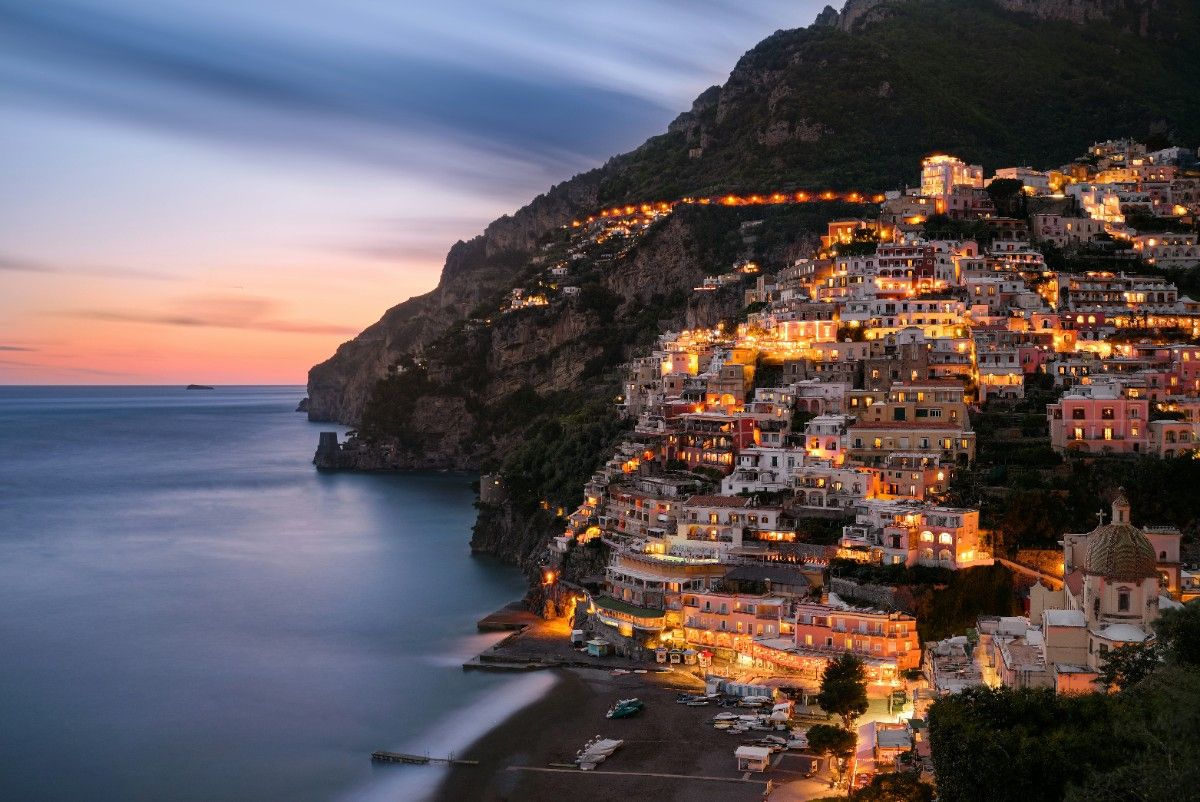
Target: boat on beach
[(596, 751), (625, 708)]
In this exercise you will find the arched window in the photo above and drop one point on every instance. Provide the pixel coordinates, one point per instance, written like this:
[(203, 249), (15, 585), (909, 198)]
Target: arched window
[(1096, 607), (1123, 601)]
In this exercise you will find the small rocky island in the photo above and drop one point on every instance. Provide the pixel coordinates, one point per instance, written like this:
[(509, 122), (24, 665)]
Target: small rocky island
[(199, 387)]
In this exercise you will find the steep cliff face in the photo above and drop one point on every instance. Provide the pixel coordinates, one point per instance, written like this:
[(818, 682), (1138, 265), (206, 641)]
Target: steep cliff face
[(466, 395), (476, 272)]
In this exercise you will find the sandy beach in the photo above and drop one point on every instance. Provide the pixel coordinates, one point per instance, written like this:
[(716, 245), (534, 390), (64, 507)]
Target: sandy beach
[(694, 761)]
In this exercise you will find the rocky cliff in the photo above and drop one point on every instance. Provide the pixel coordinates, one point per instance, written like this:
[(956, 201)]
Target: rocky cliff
[(476, 272)]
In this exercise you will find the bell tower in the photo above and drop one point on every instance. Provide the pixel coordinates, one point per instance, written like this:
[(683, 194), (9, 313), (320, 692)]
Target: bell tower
[(1120, 508)]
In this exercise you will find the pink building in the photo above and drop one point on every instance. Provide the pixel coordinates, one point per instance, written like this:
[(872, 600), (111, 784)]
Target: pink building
[(887, 642), (1103, 417), (1033, 359), (728, 622)]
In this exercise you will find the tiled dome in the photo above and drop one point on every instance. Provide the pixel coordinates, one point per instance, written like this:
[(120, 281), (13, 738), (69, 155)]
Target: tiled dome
[(1120, 551)]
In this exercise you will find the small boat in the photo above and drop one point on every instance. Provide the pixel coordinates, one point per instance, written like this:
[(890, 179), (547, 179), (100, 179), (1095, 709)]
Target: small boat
[(639, 671), (596, 752), (725, 717), (625, 708), (697, 703)]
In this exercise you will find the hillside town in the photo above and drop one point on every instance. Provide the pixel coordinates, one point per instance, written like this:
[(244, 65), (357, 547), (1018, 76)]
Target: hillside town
[(778, 466)]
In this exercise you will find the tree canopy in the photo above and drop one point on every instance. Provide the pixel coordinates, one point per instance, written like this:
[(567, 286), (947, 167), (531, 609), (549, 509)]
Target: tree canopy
[(1128, 665), (1030, 745), (894, 787), (827, 739), (844, 689)]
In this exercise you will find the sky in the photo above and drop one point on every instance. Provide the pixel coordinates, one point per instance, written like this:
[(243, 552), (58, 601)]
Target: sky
[(222, 191)]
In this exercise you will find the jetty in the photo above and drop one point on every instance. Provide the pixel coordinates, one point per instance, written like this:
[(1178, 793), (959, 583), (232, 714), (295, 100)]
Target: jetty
[(383, 756)]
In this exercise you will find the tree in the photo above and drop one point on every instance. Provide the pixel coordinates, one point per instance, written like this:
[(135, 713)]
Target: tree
[(895, 787), (837, 743), (1153, 726), (1008, 196), (829, 739), (844, 689), (1128, 665), (1178, 633), (1019, 745)]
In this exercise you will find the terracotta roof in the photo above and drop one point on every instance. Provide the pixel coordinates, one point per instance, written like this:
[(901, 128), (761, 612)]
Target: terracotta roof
[(1120, 551), (718, 501)]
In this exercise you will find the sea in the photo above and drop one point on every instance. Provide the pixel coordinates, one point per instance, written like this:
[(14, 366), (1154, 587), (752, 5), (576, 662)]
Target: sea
[(190, 611)]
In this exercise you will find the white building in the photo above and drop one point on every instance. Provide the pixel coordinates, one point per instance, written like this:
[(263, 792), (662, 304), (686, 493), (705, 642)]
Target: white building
[(940, 174)]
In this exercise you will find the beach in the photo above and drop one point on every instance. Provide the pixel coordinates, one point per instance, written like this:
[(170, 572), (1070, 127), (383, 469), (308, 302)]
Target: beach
[(526, 757)]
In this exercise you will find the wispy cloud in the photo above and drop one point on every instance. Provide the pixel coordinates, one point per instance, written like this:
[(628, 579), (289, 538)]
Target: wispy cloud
[(412, 111), (486, 91), (15, 348), (218, 311), (10, 264), (69, 370), (17, 264)]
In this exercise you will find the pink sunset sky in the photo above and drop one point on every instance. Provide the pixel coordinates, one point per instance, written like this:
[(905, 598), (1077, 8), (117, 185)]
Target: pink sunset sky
[(222, 192)]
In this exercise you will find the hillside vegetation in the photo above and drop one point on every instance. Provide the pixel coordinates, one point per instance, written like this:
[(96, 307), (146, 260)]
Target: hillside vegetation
[(822, 107)]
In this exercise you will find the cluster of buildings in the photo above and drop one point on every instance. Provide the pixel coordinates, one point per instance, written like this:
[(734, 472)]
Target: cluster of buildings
[(843, 403), (1117, 580)]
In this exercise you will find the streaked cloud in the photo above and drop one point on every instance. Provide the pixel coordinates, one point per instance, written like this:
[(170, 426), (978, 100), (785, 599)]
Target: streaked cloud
[(11, 264), (14, 264), (249, 312), (15, 348), (482, 120), (69, 370)]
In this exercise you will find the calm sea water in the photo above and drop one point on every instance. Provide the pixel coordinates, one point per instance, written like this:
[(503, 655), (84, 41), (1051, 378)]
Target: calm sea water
[(189, 611)]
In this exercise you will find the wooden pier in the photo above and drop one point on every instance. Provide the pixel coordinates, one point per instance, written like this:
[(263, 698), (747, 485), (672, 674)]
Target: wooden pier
[(383, 756)]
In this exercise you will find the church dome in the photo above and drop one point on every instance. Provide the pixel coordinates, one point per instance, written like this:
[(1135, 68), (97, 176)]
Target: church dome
[(1120, 551)]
